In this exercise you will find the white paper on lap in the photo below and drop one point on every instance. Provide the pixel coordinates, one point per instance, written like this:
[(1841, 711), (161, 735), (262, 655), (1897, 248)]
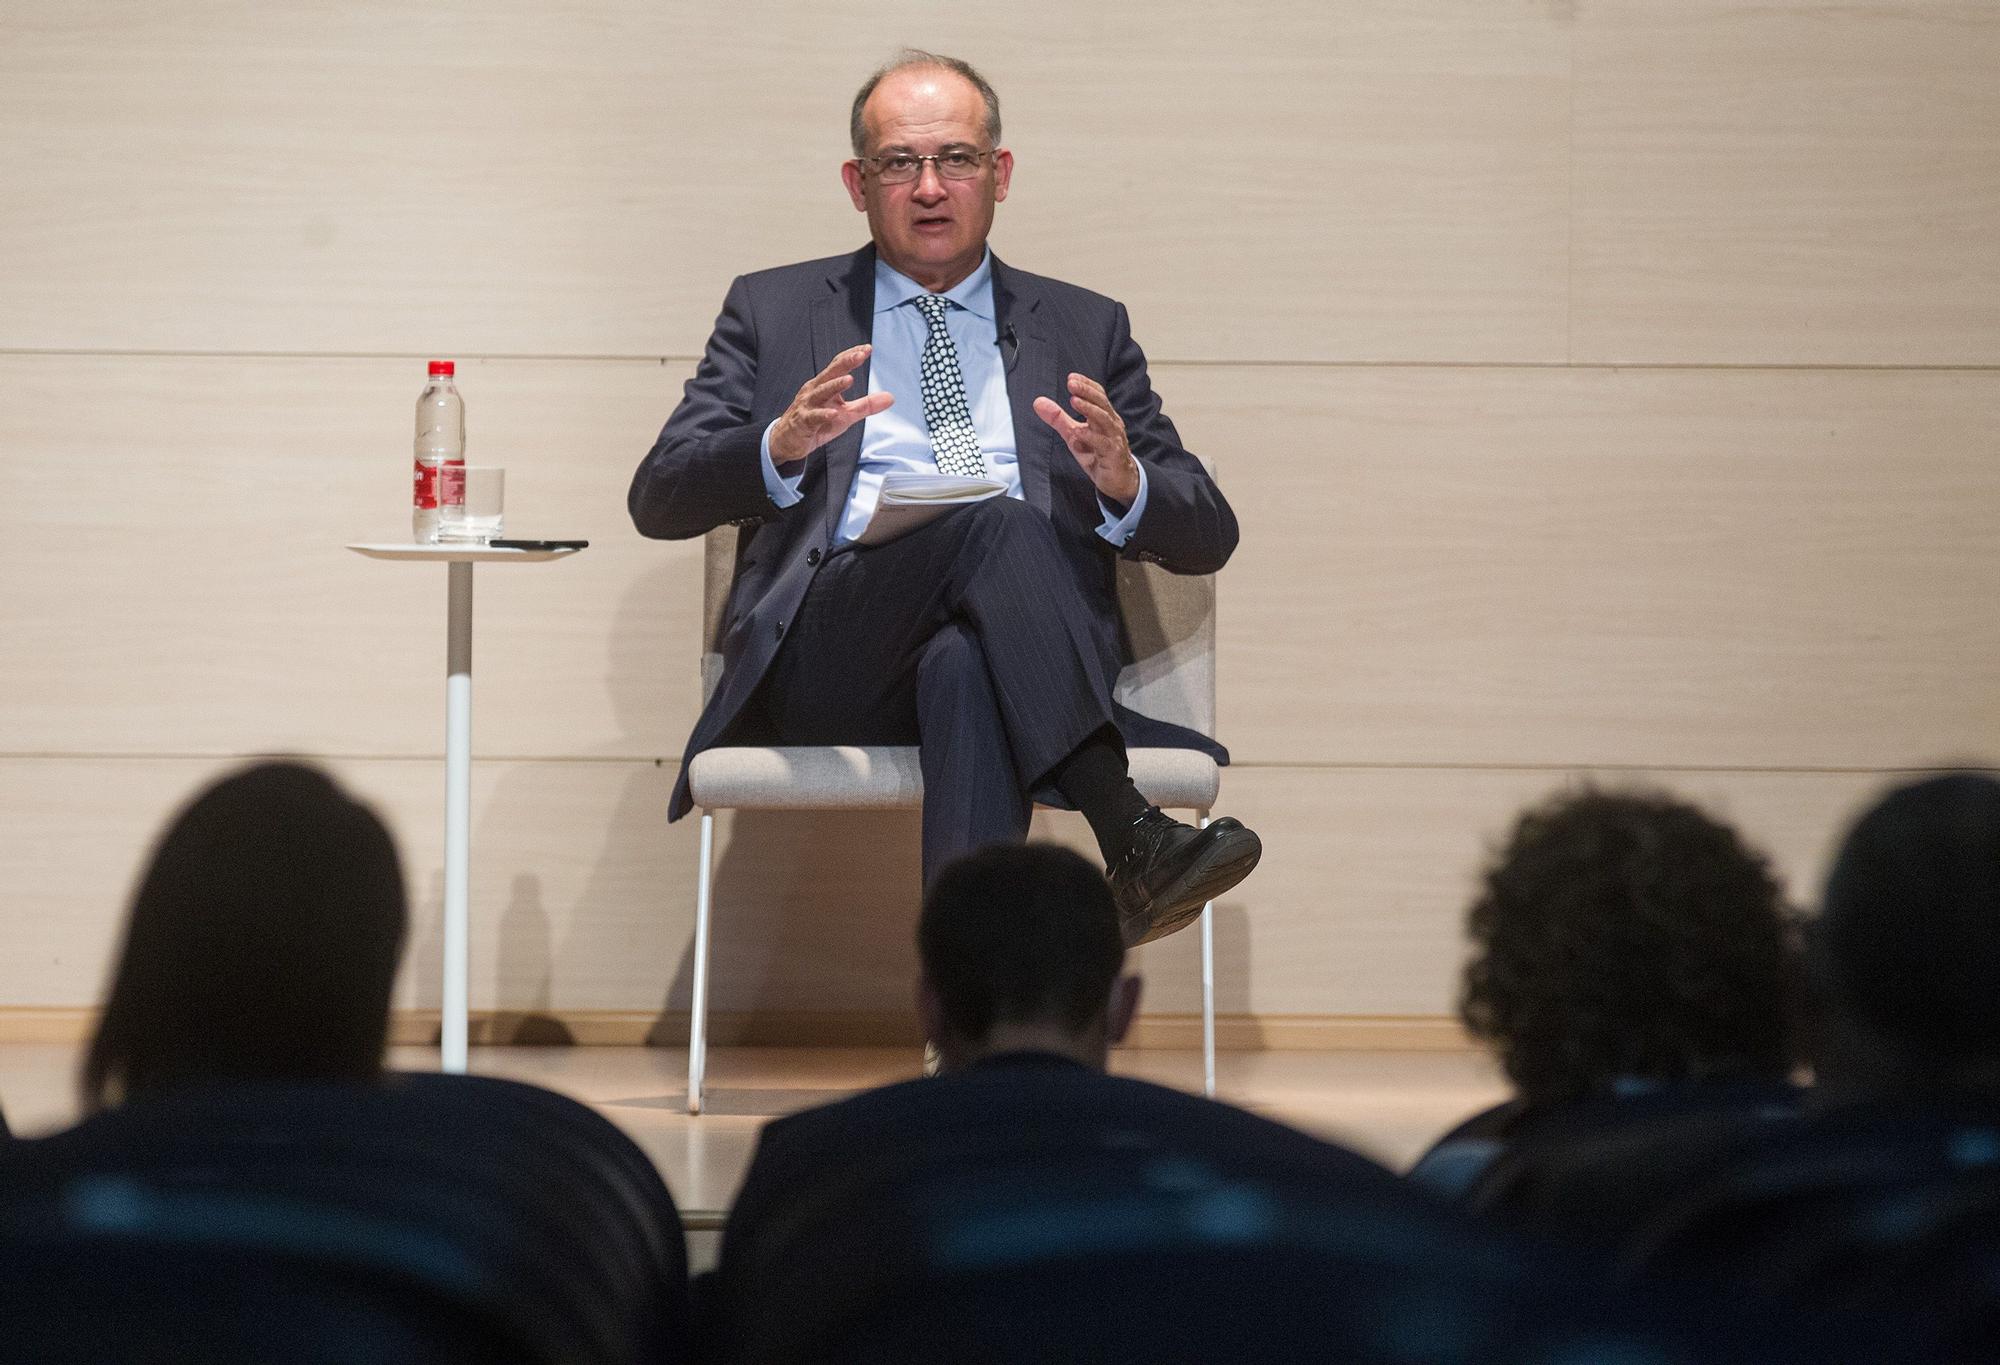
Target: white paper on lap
[(910, 500)]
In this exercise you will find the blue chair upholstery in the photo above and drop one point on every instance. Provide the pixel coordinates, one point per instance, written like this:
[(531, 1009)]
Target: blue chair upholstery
[(429, 1218)]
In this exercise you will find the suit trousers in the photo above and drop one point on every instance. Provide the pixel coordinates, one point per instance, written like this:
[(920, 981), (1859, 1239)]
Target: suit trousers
[(966, 637)]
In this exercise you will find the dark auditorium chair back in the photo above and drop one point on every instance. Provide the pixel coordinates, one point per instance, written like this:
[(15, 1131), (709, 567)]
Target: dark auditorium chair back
[(429, 1219), (1879, 1209), (1588, 1172), (1172, 1263)]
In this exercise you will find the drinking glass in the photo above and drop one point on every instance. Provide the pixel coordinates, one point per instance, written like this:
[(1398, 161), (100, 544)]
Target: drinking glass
[(476, 518)]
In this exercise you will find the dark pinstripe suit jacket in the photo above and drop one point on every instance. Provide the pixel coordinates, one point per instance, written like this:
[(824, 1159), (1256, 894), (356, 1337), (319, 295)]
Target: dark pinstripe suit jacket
[(780, 327)]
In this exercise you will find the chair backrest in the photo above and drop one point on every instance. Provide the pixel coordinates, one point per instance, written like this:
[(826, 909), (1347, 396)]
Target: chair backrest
[(1169, 635), (526, 1221), (1121, 1260), (1884, 1210), (1588, 1170), (163, 1289)]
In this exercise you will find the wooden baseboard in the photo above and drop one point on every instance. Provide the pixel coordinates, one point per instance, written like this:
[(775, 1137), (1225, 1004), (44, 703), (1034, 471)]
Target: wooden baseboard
[(1307, 1033), (47, 1023), (669, 1028), (826, 1028)]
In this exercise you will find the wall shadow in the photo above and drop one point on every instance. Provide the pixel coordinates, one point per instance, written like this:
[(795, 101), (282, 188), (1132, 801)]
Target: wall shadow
[(1232, 959), (525, 971), (813, 911), (425, 952)]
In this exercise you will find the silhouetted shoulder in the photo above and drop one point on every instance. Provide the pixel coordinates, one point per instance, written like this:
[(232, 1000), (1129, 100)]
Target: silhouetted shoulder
[(1060, 1106)]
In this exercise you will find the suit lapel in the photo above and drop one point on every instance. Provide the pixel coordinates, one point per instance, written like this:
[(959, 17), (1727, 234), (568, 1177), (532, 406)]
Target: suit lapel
[(844, 316), (1031, 373)]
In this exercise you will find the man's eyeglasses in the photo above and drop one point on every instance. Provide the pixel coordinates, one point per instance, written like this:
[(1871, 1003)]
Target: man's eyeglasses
[(900, 168)]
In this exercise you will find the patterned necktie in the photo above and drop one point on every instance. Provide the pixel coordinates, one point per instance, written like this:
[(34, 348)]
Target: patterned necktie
[(954, 444)]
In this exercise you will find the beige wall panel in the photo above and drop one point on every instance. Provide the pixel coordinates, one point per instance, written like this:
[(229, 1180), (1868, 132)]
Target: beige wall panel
[(1358, 906), (75, 835), (1526, 567), (575, 877), (1794, 183), (1514, 567), (1362, 181), (583, 897), (176, 582), (1382, 180)]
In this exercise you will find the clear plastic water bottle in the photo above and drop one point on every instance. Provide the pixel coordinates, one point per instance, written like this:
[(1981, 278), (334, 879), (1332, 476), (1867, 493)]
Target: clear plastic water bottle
[(440, 451)]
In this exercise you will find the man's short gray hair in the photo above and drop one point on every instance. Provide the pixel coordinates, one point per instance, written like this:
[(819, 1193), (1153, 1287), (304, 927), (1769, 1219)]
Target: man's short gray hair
[(909, 57)]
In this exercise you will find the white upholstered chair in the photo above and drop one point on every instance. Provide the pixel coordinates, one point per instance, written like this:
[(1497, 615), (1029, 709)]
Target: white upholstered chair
[(1170, 625)]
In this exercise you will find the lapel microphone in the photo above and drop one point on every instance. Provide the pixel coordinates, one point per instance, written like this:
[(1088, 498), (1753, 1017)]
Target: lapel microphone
[(1010, 346)]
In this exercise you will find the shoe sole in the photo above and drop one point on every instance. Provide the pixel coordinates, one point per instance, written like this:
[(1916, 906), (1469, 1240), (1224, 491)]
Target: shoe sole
[(1232, 858)]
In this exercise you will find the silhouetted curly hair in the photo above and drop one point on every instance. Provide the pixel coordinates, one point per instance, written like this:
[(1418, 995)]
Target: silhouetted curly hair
[(1626, 935)]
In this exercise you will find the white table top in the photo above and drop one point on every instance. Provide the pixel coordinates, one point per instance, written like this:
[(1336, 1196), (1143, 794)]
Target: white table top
[(458, 554)]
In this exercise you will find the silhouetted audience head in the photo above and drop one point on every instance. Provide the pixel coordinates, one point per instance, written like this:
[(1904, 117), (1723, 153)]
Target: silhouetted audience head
[(1906, 951), (1624, 937), (1021, 952), (262, 943)]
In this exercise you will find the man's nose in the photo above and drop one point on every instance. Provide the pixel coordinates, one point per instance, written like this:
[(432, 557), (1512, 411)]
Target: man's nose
[(930, 185)]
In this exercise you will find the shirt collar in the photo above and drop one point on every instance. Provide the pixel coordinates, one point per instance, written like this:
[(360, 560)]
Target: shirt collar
[(974, 293)]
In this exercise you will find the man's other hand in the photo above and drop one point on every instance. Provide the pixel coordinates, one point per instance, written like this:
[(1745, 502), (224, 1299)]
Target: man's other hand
[(1098, 441), (820, 413)]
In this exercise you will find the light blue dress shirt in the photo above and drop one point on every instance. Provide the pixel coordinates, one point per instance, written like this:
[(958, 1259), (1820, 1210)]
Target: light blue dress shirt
[(899, 440)]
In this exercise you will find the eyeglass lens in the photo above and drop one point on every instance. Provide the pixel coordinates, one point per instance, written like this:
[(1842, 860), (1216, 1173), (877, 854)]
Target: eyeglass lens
[(900, 167)]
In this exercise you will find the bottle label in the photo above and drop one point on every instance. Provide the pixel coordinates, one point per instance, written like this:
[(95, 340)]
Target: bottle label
[(436, 484)]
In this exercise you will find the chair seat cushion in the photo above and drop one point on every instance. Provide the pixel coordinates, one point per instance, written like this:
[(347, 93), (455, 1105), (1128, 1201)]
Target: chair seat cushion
[(886, 777)]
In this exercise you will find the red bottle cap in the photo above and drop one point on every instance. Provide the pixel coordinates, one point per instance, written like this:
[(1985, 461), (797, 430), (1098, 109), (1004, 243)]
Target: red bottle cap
[(443, 367)]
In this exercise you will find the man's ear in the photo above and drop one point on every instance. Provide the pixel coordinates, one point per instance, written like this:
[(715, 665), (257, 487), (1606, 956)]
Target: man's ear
[(850, 176), (1122, 1010), (1003, 173), (930, 1012)]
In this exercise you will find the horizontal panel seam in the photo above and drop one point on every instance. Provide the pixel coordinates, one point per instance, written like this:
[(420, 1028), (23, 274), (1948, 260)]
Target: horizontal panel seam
[(1302, 765), (1158, 362)]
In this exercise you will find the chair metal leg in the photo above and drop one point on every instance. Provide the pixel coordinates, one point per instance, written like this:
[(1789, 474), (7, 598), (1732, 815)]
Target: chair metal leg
[(1207, 992), (698, 1006)]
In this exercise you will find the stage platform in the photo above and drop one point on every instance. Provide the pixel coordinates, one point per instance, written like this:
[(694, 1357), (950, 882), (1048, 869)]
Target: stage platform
[(1389, 1104)]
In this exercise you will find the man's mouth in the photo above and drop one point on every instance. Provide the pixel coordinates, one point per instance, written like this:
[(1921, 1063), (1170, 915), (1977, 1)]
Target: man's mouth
[(933, 221)]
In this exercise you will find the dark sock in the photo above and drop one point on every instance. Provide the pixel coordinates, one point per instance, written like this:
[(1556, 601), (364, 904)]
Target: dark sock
[(1094, 780)]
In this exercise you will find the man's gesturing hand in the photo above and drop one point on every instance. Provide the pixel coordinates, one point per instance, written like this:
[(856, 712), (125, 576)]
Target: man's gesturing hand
[(820, 413), (1098, 441)]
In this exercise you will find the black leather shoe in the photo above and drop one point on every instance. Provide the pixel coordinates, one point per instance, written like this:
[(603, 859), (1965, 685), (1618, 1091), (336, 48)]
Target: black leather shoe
[(1171, 870)]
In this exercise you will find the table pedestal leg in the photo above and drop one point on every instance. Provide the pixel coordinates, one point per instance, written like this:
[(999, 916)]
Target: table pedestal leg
[(457, 815)]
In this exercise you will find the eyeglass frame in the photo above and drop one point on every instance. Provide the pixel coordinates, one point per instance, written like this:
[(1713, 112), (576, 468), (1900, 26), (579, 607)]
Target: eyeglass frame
[(871, 164)]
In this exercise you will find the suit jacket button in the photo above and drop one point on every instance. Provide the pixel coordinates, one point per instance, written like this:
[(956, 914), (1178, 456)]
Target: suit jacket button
[(778, 630), (812, 556)]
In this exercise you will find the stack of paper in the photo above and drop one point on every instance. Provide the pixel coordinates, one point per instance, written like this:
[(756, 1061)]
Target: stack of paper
[(910, 500)]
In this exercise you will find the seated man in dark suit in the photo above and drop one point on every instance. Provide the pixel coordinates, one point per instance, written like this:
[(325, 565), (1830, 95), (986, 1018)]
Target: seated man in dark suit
[(990, 636), (1023, 993)]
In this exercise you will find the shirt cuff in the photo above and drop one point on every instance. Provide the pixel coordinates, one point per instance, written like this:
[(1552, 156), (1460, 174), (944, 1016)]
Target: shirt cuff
[(1118, 528), (785, 491)]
